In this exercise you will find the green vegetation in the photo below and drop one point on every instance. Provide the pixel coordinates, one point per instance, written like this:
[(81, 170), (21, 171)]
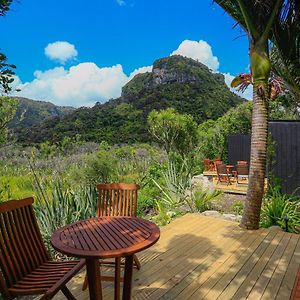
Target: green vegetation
[(277, 206), (175, 132), (31, 112), (7, 111), (175, 82)]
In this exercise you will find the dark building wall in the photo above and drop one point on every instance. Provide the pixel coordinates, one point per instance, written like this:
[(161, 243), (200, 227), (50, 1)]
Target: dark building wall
[(286, 162), (286, 165)]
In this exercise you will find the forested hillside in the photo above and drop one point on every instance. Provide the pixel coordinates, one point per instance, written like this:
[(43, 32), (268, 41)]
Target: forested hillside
[(31, 112), (178, 82)]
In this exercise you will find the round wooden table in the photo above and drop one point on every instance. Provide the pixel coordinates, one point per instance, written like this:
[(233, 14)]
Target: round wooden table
[(106, 237)]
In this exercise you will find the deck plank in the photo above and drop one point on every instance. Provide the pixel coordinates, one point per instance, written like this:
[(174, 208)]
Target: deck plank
[(199, 257)]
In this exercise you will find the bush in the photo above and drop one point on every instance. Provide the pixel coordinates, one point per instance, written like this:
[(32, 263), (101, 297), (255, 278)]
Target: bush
[(276, 206), (202, 199)]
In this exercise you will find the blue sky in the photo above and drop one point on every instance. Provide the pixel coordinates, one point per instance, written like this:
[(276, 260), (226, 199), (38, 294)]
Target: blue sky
[(73, 40)]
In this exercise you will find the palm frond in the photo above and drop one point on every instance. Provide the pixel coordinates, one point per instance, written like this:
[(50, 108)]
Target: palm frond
[(255, 16)]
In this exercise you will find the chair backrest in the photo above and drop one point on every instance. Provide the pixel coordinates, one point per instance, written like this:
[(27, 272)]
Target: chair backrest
[(221, 169), (242, 169), (242, 162), (117, 199), (21, 246), (207, 164), (217, 162)]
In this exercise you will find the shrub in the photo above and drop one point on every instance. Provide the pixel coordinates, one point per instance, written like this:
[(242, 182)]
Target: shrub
[(202, 199), (276, 206)]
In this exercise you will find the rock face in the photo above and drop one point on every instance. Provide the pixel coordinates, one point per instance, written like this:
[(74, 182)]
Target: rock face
[(162, 74)]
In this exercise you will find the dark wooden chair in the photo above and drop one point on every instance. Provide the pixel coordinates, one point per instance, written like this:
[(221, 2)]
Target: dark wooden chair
[(216, 162), (26, 266), (116, 199), (242, 173), (223, 175)]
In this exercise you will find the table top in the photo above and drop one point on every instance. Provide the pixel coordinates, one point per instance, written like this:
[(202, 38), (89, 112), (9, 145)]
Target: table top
[(105, 237)]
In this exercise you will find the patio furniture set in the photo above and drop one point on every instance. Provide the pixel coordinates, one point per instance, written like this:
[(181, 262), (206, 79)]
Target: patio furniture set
[(228, 174), (115, 233)]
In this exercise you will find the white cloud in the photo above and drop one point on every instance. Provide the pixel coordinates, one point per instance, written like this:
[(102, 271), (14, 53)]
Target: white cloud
[(140, 70), (121, 2), (86, 83), (200, 51), (61, 51), (81, 85), (248, 93)]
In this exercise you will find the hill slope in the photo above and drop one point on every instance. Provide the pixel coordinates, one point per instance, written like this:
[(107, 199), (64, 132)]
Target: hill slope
[(31, 112), (178, 82)]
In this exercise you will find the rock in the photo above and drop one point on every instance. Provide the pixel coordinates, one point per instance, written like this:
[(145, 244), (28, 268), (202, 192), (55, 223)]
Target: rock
[(275, 228), (238, 218), (230, 217), (171, 214), (203, 182), (212, 213)]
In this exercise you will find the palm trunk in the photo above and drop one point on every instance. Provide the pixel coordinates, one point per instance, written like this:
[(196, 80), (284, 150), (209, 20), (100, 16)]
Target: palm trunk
[(258, 157)]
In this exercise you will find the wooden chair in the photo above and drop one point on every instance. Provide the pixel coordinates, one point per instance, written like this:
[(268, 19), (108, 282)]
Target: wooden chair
[(223, 175), (242, 173), (26, 266), (208, 165), (116, 199), (217, 162)]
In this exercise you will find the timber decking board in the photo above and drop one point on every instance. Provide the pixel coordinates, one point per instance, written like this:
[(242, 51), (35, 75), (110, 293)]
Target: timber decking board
[(200, 257)]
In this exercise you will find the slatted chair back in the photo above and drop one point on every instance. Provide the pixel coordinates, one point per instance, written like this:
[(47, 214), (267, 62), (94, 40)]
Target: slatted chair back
[(117, 199), (207, 164), (242, 170), (242, 162), (21, 246), (217, 162), (221, 169)]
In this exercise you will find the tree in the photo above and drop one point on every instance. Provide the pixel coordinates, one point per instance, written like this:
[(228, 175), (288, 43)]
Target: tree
[(257, 18), (285, 55), (176, 132), (4, 7), (7, 105), (7, 112)]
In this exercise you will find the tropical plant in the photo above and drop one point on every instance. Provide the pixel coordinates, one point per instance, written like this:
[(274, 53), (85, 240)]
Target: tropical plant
[(57, 205), (202, 199), (257, 18), (4, 7), (285, 55), (278, 206)]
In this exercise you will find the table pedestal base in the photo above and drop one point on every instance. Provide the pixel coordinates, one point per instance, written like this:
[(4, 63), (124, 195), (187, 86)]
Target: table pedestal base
[(94, 278), (128, 277)]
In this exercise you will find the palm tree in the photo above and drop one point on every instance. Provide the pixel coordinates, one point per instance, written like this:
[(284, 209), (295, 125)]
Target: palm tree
[(257, 18), (285, 55)]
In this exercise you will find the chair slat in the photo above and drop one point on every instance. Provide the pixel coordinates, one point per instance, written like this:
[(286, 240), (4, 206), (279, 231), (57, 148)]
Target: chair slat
[(17, 243), (30, 265), (117, 199), (29, 239), (15, 250), (10, 253)]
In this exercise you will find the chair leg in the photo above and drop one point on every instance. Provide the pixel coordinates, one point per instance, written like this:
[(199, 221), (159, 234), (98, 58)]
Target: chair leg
[(67, 293), (137, 262)]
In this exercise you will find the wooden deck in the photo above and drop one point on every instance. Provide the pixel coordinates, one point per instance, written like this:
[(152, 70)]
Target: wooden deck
[(233, 188), (201, 257)]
